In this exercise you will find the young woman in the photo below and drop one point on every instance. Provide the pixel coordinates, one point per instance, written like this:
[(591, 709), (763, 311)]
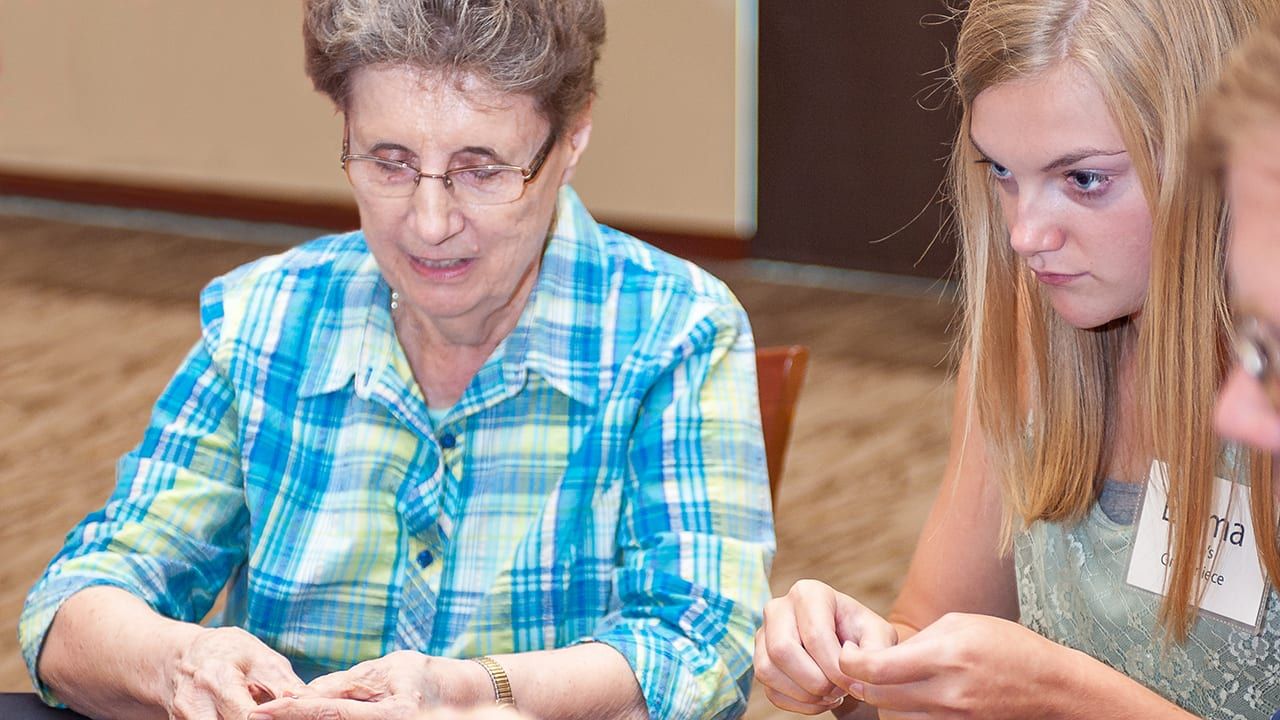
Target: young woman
[(1094, 342)]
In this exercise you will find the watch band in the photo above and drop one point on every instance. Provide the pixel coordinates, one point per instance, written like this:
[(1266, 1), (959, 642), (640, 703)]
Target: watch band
[(501, 683)]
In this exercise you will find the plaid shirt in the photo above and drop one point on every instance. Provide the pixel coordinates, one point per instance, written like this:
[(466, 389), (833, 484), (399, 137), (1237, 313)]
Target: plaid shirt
[(602, 477)]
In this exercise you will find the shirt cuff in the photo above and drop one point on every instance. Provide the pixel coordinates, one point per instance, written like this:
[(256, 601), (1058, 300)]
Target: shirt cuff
[(679, 680)]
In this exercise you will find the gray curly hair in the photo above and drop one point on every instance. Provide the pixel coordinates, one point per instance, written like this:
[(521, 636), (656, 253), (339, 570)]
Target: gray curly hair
[(546, 49)]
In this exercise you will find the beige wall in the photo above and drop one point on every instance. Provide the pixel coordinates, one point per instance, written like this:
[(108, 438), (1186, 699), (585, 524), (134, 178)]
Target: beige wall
[(212, 95)]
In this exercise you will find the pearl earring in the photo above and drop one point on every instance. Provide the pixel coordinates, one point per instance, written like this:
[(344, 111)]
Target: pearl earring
[(395, 299)]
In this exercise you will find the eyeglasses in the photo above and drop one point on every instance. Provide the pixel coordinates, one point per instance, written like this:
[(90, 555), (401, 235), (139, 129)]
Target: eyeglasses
[(1257, 347), (493, 184)]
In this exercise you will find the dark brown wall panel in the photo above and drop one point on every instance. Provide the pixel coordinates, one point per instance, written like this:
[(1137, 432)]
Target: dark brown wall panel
[(848, 158)]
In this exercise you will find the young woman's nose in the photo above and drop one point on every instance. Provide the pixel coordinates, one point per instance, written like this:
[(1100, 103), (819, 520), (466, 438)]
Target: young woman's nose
[(1034, 229)]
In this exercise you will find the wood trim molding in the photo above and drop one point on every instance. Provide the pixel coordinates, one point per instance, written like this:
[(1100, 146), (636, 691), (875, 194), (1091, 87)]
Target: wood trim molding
[(335, 215), (689, 245), (331, 215)]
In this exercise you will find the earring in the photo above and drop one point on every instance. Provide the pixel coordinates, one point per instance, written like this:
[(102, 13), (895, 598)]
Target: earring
[(395, 299)]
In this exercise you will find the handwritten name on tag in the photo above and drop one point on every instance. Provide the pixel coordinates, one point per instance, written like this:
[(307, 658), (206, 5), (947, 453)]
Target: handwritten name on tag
[(1234, 585)]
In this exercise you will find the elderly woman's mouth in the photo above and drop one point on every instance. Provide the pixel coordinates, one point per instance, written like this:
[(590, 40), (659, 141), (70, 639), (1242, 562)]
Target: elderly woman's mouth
[(442, 269)]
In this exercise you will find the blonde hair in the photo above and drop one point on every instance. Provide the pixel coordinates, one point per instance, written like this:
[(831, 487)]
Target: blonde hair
[(1048, 422), (1247, 97)]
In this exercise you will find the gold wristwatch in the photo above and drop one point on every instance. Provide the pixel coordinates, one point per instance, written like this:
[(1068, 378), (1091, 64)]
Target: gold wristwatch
[(501, 683)]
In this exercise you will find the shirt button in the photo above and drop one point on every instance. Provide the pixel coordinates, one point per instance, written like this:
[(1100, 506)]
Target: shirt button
[(425, 558), (448, 441)]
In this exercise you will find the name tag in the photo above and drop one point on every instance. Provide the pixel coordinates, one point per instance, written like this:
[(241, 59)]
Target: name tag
[(1234, 585)]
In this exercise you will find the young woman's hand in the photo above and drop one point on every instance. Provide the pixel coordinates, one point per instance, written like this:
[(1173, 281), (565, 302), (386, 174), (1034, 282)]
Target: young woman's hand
[(797, 657), (963, 666)]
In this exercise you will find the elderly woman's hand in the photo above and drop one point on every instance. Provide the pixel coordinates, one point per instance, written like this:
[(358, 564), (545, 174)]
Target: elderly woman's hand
[(403, 685), (226, 673)]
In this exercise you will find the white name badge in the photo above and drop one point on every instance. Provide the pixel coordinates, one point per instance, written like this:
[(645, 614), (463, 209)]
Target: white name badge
[(1235, 587)]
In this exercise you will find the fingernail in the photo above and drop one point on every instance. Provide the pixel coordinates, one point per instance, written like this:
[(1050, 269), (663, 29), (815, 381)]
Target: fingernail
[(259, 716), (855, 689)]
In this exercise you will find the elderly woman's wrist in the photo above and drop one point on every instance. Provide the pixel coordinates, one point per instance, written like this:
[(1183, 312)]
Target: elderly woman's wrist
[(179, 647), (467, 684)]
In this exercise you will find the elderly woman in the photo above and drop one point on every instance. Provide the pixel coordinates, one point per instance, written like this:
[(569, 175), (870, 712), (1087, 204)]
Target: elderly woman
[(484, 427)]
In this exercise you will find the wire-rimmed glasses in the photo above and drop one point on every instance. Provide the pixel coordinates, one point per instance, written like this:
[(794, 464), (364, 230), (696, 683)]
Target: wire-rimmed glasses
[(1257, 349), (491, 184)]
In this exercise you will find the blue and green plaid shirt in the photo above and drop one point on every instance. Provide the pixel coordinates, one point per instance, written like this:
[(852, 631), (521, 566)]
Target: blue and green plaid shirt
[(603, 476)]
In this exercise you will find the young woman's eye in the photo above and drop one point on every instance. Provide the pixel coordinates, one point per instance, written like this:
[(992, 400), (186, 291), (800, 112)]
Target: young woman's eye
[(1087, 181), (999, 171)]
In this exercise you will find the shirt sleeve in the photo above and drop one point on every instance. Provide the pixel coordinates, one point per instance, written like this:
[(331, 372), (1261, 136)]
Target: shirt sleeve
[(173, 528), (696, 531)]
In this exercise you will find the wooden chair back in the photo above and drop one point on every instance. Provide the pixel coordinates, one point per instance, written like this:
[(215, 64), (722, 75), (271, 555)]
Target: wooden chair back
[(780, 373)]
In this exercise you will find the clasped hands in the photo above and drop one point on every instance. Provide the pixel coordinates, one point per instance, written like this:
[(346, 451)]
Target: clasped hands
[(228, 674), (820, 650)]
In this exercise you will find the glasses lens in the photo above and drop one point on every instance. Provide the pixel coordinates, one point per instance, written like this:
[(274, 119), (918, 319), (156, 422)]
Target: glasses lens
[(383, 179), (1255, 344), (1252, 357), (487, 185)]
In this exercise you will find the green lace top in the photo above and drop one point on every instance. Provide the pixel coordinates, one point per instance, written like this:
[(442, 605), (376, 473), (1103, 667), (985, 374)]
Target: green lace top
[(1072, 590)]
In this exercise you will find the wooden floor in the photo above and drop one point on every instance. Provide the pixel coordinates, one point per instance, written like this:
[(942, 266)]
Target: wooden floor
[(94, 320)]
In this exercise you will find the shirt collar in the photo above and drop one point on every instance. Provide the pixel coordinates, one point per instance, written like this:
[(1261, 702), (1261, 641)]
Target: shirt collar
[(558, 336), (354, 313)]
